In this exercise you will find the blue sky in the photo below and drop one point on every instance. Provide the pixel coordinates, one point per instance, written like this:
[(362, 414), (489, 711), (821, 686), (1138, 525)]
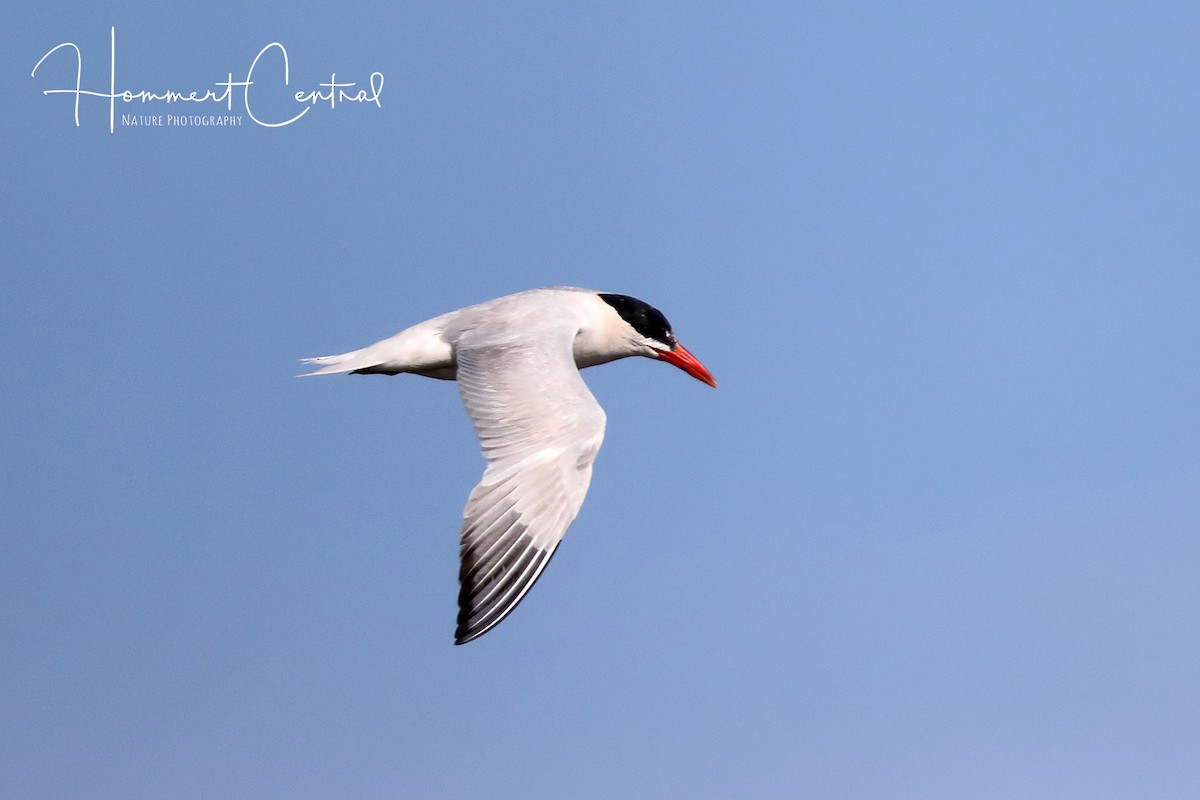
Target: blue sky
[(934, 536)]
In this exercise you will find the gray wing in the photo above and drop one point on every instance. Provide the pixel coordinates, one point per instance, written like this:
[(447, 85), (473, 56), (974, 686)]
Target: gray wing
[(540, 429)]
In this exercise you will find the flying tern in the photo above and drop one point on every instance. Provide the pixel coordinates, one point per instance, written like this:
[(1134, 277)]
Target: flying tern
[(516, 360)]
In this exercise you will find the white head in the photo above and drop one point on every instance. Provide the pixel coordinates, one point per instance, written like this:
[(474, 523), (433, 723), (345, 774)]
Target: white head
[(649, 334)]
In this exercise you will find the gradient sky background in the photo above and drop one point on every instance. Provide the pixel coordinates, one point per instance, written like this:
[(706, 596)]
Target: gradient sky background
[(935, 536)]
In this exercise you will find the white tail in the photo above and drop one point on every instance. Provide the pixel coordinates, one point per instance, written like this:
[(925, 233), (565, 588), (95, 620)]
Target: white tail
[(420, 349), (343, 362)]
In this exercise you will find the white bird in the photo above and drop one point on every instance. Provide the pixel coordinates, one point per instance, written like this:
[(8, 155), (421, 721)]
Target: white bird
[(517, 360)]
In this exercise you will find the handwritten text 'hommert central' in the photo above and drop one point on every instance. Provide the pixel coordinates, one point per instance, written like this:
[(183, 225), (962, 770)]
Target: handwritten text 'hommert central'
[(333, 92)]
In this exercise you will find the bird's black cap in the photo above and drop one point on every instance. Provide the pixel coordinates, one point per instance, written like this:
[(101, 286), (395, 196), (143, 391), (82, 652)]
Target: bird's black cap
[(642, 317)]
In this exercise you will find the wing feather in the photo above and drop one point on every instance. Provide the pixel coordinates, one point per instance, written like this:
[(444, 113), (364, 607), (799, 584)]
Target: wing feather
[(539, 429)]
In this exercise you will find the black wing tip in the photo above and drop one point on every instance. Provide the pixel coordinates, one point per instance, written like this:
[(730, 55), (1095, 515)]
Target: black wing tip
[(462, 637), (469, 630), (465, 632), (474, 622)]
